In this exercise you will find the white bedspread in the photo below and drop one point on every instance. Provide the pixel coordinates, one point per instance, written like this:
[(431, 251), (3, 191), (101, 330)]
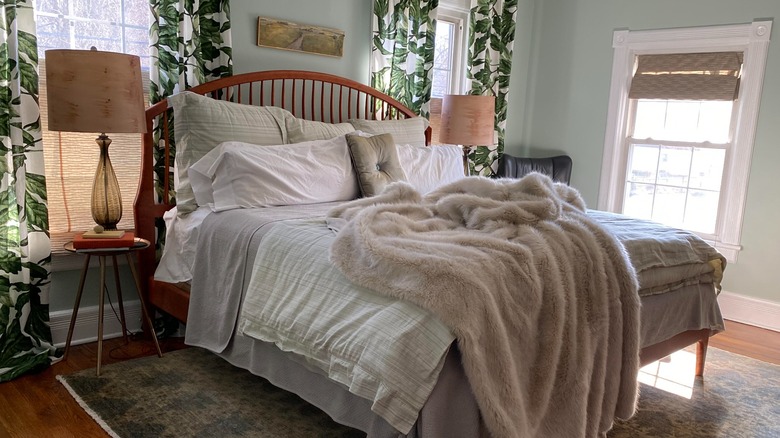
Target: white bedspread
[(543, 301), (381, 348)]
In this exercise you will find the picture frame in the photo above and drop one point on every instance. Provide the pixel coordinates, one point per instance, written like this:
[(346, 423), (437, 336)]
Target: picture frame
[(286, 35)]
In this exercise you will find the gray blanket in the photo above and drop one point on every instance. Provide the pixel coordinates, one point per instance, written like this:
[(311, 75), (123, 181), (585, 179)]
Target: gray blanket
[(542, 299)]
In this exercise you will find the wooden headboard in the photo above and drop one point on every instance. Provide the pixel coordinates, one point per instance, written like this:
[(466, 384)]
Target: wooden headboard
[(308, 95)]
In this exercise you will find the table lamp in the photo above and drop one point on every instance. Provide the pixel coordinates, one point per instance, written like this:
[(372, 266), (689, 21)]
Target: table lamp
[(467, 120), (100, 92)]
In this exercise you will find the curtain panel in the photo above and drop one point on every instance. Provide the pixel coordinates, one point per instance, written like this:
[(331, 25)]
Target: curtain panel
[(402, 52), (25, 250), (489, 59), (190, 44)]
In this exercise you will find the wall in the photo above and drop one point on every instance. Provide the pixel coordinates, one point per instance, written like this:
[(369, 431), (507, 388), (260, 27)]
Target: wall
[(568, 90), (350, 16)]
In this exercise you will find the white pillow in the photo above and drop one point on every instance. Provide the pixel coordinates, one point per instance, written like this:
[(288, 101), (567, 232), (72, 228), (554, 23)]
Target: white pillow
[(427, 168), (242, 175), (201, 123)]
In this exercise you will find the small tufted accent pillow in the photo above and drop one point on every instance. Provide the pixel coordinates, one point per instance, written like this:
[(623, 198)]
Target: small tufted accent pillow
[(376, 162)]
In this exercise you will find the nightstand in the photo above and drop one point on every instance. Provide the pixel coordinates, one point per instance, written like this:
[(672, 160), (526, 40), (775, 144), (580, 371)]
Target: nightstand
[(103, 254)]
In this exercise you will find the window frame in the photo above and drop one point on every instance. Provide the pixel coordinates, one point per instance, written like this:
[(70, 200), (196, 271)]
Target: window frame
[(753, 40)]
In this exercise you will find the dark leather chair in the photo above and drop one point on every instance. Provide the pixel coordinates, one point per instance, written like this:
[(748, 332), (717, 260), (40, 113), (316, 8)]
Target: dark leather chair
[(558, 168)]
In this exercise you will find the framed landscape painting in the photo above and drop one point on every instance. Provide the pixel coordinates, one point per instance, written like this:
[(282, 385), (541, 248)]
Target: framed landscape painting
[(285, 35)]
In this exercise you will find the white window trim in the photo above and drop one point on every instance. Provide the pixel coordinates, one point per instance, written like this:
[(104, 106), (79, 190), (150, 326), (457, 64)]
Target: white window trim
[(753, 40)]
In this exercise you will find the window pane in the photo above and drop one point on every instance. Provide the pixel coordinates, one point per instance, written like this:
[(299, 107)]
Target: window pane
[(643, 162), (442, 59), (53, 33), (104, 36), (682, 120), (707, 168), (53, 6), (137, 13), (638, 200), (669, 205), (443, 54), (701, 211), (714, 121), (105, 10), (674, 165), (650, 118)]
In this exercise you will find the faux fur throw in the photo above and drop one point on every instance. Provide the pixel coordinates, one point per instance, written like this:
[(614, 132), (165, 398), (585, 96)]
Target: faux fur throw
[(542, 300)]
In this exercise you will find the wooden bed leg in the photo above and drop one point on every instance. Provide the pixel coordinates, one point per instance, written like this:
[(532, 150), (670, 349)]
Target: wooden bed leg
[(701, 354)]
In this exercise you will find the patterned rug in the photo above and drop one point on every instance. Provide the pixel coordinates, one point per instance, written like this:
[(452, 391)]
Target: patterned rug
[(192, 393)]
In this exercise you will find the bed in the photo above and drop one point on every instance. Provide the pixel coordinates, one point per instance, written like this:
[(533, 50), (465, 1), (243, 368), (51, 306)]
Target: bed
[(450, 408)]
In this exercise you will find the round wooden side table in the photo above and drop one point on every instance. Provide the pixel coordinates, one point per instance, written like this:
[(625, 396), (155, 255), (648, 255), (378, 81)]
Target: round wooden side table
[(103, 254)]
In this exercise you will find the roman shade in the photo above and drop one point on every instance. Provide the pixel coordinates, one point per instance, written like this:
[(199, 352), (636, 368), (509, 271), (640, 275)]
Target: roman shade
[(687, 76)]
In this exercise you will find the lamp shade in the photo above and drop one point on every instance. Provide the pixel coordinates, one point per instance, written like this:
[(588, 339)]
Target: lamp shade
[(94, 91), (467, 119)]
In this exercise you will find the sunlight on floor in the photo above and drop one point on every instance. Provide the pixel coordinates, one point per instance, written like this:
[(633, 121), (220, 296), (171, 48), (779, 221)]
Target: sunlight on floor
[(675, 373)]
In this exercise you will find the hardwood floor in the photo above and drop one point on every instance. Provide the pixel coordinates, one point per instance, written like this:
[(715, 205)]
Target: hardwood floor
[(39, 406)]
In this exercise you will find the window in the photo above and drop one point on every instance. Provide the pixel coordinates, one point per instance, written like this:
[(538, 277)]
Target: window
[(448, 68), (445, 77), (71, 157), (683, 158)]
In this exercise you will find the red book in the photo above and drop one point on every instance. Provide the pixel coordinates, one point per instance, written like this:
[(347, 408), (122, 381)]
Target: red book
[(126, 241)]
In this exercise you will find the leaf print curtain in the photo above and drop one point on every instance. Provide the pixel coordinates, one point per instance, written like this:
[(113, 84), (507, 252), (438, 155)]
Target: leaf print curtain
[(190, 44), (25, 251), (402, 54), (489, 59)]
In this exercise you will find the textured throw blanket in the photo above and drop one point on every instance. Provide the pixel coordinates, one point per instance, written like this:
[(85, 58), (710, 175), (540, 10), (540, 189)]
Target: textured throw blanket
[(542, 300)]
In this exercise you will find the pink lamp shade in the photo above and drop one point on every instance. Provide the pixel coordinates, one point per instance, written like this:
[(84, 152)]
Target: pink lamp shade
[(467, 120)]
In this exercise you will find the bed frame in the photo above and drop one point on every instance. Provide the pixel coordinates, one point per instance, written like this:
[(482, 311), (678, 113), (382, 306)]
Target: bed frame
[(308, 95)]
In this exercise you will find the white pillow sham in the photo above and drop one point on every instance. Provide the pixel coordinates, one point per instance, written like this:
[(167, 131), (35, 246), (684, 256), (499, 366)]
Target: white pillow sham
[(427, 168), (243, 175)]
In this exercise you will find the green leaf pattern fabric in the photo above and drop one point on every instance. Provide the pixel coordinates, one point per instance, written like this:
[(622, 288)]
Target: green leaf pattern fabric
[(491, 38), (404, 34), (190, 44), (25, 249)]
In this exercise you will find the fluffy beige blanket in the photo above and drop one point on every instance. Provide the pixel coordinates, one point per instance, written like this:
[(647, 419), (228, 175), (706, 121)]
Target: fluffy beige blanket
[(542, 300)]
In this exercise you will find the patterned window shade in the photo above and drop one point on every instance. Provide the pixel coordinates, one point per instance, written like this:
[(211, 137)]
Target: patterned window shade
[(687, 76), (71, 160)]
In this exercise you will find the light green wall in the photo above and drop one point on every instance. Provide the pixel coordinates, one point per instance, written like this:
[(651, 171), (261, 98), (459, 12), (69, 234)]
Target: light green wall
[(568, 90), (350, 16)]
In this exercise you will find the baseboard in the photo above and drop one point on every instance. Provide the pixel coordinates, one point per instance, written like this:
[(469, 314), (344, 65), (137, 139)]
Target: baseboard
[(749, 310), (87, 323)]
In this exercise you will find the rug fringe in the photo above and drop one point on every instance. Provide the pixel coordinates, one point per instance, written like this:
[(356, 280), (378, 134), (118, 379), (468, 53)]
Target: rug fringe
[(86, 407)]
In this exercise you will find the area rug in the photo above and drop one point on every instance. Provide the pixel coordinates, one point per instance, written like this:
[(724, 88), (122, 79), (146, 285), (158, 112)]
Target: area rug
[(738, 397), (193, 393)]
